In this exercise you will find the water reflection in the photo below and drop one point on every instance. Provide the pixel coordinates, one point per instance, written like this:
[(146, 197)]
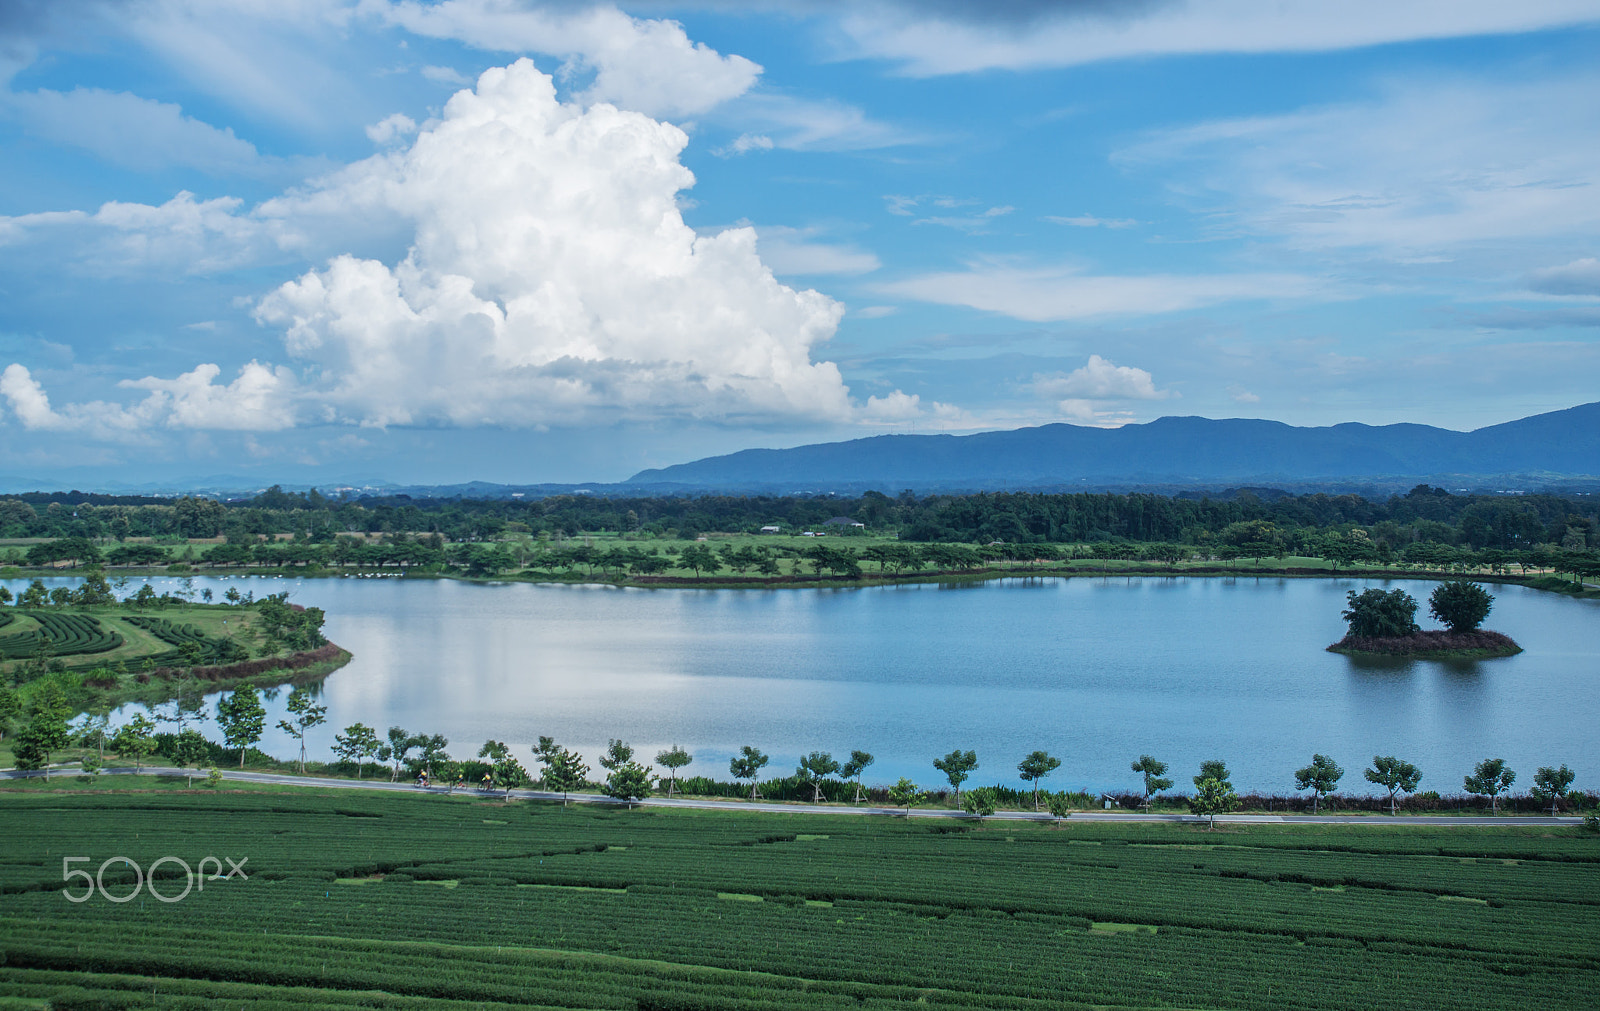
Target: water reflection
[(1096, 670)]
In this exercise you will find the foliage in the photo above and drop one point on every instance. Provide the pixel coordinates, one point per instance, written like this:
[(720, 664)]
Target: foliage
[(1153, 771), (905, 793), (1393, 775), (1321, 777), (1551, 784), (399, 742), (1036, 767), (47, 731), (747, 764), (1376, 614), (673, 759), (565, 772), (1460, 604), (853, 769), (814, 769), (358, 743), (1213, 797), (1490, 778), (957, 766), (241, 717), (1059, 804), (980, 802), (135, 739), (629, 782), (304, 714)]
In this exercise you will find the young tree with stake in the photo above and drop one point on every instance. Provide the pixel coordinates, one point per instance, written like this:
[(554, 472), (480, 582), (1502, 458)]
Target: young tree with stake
[(1152, 771), (1552, 785), (859, 760), (305, 714), (1036, 767), (957, 766), (673, 759), (814, 768), (1393, 775), (1490, 779), (1321, 777), (747, 764)]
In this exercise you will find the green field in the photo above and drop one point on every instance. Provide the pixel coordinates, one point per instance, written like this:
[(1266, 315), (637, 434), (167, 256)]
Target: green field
[(445, 902)]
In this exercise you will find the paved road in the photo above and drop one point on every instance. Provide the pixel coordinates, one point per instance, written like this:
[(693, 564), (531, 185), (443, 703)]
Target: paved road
[(280, 779)]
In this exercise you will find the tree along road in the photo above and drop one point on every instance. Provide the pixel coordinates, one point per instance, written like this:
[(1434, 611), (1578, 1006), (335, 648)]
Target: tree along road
[(280, 779)]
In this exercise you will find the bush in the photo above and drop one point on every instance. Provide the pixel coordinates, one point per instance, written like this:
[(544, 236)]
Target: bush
[(1375, 614), (1460, 604)]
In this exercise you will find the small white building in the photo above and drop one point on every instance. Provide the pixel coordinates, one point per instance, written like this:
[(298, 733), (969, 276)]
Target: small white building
[(772, 528)]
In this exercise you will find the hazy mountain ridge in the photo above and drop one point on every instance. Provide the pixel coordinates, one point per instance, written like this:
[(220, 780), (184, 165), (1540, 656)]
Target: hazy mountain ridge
[(1167, 451)]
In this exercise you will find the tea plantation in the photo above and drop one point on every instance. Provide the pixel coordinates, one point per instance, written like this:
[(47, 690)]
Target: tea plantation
[(422, 902)]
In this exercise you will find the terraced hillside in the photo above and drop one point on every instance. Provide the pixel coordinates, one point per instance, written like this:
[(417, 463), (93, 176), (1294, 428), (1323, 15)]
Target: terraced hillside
[(391, 901)]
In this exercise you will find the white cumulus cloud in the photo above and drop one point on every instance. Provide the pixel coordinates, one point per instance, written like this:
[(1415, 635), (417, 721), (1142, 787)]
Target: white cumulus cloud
[(648, 65), (391, 128), (1099, 379)]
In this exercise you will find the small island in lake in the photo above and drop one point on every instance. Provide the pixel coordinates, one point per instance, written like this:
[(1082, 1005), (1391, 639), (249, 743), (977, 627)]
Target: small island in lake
[(1383, 623)]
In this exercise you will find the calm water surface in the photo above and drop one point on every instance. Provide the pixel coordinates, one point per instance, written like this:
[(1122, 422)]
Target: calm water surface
[(1094, 670)]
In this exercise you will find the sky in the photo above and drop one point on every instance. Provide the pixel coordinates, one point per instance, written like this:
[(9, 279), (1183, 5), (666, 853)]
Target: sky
[(350, 241)]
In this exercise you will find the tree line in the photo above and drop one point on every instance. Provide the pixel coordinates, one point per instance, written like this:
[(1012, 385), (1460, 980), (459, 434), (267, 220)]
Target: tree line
[(241, 721), (1423, 515)]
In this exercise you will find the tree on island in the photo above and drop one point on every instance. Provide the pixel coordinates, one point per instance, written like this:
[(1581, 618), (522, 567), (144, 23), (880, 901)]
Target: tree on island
[(1321, 777), (673, 759), (1393, 775), (1490, 779), (1035, 767), (1460, 605), (853, 769), (1552, 785), (956, 766), (747, 764), (813, 769), (241, 717), (1376, 614), (1153, 771)]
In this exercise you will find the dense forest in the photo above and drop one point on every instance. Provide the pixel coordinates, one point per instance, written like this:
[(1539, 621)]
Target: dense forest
[(1423, 515)]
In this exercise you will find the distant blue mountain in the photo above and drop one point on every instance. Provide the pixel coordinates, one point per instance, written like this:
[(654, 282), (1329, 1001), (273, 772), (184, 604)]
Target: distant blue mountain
[(1168, 451)]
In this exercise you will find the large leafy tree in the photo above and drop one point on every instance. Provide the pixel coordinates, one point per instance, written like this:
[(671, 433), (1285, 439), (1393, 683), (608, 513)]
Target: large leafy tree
[(629, 782), (1552, 785), (747, 764), (673, 759), (565, 772), (813, 769), (1321, 777), (1036, 767), (957, 766), (47, 731), (1393, 775), (1490, 779), (1153, 771), (859, 760), (241, 717), (1376, 614), (1461, 605), (304, 713)]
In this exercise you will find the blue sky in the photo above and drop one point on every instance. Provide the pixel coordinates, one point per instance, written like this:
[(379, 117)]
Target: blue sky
[(334, 240)]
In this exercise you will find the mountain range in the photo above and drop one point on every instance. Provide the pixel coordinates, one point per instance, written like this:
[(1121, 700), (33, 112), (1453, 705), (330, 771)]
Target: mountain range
[(1560, 446)]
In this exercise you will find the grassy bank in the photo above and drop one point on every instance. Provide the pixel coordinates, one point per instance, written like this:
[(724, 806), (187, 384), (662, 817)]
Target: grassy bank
[(410, 901)]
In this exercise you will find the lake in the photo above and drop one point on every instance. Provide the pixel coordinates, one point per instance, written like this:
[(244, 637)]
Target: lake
[(1094, 670)]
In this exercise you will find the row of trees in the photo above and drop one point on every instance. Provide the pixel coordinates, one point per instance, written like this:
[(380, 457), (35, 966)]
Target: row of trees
[(1238, 519)]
